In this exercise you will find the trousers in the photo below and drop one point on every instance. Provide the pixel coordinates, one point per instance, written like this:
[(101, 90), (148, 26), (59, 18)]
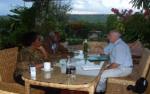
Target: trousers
[(116, 72)]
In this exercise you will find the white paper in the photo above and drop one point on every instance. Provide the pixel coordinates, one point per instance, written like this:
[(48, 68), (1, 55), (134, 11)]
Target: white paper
[(93, 67)]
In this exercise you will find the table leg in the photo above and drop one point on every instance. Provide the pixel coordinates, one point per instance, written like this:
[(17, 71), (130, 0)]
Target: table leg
[(27, 88), (91, 89)]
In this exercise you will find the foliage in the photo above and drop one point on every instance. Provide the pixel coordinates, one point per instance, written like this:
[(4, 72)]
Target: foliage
[(145, 33), (23, 17), (145, 4), (74, 41), (21, 21), (90, 18), (136, 26), (42, 17), (144, 26), (114, 23), (81, 29), (111, 22), (4, 24), (123, 15), (5, 28), (51, 15)]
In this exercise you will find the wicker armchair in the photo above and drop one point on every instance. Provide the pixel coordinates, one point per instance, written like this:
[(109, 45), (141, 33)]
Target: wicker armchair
[(148, 78), (8, 59), (119, 85), (6, 92)]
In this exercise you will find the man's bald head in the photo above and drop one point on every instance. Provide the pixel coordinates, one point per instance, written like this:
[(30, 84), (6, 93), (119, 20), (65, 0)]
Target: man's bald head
[(113, 36)]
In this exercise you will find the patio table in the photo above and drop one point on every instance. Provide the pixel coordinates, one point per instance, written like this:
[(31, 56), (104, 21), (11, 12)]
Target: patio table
[(84, 80)]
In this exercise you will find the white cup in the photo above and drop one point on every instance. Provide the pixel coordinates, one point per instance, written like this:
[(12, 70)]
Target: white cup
[(47, 66)]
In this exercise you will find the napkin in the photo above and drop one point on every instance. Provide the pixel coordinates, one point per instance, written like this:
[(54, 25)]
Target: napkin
[(93, 67), (90, 67)]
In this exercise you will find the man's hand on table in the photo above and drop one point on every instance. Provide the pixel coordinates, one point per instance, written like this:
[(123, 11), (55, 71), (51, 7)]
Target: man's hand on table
[(111, 66)]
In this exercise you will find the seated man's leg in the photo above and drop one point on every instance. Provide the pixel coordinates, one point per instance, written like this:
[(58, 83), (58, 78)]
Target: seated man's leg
[(117, 72)]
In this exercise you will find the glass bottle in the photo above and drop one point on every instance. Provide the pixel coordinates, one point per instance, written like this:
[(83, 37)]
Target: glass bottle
[(85, 48), (68, 71)]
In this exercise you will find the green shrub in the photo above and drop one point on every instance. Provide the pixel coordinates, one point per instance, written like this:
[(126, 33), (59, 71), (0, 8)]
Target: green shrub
[(74, 41), (135, 27)]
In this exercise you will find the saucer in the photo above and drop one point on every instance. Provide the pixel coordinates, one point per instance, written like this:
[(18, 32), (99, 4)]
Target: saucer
[(46, 70)]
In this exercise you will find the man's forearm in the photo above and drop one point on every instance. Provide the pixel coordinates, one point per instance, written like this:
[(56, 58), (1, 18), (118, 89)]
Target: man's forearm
[(112, 66)]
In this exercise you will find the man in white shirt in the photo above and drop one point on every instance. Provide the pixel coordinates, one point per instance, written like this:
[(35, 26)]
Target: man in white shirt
[(120, 60)]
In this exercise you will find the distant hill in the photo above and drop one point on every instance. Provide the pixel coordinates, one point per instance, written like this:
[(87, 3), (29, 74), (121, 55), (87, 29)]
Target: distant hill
[(89, 18), (4, 17), (84, 17)]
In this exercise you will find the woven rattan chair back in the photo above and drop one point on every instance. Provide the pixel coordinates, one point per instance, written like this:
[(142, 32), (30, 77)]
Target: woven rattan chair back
[(8, 59), (144, 63)]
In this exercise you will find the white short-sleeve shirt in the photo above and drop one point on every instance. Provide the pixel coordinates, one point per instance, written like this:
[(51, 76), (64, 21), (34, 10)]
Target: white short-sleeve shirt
[(121, 54)]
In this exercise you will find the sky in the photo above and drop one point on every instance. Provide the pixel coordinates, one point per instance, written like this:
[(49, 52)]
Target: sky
[(78, 6), (6, 5)]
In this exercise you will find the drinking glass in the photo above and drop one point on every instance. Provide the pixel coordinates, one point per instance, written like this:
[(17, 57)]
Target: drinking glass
[(73, 71)]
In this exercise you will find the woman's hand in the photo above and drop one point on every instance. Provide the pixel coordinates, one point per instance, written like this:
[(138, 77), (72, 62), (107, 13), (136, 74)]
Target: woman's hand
[(39, 65)]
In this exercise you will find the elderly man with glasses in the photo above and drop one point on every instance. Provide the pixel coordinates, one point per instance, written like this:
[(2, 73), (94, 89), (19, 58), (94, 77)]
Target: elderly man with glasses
[(120, 60)]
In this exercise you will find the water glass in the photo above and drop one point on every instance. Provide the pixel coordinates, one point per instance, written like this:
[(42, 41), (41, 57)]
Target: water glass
[(73, 71)]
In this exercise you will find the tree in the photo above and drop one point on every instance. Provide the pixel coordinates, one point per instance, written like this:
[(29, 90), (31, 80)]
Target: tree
[(44, 16), (111, 22), (50, 15), (23, 17), (144, 4)]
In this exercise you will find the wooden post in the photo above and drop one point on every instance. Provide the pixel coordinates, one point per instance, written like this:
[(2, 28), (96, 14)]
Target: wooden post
[(27, 88), (91, 89)]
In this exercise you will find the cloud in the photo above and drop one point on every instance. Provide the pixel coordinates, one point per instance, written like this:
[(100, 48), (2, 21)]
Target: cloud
[(117, 3), (78, 6), (83, 6), (98, 6)]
